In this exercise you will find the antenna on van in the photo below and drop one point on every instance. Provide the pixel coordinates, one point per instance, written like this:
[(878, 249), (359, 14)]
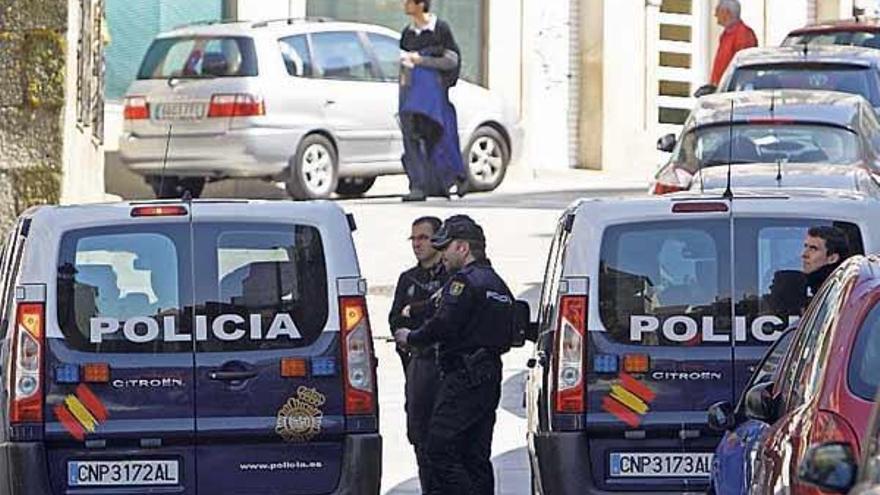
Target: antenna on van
[(728, 193), (171, 84)]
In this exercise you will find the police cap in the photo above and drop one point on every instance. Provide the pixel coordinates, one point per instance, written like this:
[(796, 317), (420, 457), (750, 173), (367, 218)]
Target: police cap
[(460, 227)]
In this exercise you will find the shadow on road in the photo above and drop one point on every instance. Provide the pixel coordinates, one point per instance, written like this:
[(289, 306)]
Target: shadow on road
[(511, 476)]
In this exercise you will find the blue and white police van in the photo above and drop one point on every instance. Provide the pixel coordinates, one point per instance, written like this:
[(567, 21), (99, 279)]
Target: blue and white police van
[(215, 347), (652, 310)]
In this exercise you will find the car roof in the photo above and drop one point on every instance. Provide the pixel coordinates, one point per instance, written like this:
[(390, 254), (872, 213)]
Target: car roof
[(792, 176), (854, 24), (839, 54), (829, 107), (272, 27)]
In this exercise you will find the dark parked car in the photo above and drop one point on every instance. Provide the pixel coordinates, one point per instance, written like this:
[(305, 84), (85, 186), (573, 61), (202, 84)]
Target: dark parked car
[(787, 138), (859, 31), (827, 389)]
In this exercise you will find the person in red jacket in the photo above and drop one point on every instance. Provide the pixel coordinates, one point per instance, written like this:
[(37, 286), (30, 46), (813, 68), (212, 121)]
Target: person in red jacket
[(736, 36)]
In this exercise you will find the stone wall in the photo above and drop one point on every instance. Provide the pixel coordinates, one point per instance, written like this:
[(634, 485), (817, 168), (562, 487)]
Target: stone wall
[(32, 78)]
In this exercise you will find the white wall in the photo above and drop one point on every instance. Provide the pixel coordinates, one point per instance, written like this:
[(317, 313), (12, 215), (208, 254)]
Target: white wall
[(545, 60), (505, 51), (82, 179)]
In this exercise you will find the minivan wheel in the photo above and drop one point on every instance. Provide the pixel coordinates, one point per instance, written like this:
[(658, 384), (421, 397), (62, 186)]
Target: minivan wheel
[(313, 169), (354, 187), (172, 187), (486, 157)]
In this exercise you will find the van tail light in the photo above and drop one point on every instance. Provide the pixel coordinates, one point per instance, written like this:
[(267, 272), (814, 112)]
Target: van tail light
[(357, 357), (661, 188), (236, 105), (136, 108), (26, 400), (570, 338)]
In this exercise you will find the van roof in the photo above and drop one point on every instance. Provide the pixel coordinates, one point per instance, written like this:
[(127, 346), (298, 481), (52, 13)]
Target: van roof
[(88, 215), (272, 27)]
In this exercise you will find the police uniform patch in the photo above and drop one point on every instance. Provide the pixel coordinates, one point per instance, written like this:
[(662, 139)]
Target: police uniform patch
[(456, 288), (300, 418)]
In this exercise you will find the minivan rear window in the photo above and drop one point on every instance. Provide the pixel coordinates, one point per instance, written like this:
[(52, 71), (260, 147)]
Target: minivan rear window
[(864, 374), (270, 279), (669, 282), (121, 288), (845, 78), (199, 57)]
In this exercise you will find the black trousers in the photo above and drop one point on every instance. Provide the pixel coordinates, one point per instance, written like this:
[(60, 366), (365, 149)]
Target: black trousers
[(422, 383), (462, 422)]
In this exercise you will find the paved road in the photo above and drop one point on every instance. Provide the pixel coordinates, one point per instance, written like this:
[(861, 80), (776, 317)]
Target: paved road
[(519, 222)]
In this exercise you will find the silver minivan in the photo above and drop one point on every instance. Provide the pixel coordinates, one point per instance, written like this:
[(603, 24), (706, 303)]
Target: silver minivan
[(310, 103)]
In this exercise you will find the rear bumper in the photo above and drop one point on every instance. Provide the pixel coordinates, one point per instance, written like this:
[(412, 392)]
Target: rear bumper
[(361, 466), (247, 152), (562, 460), (23, 469)]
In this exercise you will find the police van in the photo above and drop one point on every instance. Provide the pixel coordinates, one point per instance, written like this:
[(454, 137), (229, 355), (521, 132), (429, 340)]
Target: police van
[(215, 347), (652, 309)]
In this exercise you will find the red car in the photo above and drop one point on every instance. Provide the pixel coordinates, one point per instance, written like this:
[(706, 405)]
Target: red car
[(860, 31), (831, 374)]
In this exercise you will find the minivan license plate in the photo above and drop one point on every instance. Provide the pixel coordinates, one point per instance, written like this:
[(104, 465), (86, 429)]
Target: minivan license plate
[(118, 473), (660, 465), (180, 111)]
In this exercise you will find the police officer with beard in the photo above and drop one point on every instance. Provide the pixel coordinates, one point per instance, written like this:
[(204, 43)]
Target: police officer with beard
[(411, 307), (472, 325)]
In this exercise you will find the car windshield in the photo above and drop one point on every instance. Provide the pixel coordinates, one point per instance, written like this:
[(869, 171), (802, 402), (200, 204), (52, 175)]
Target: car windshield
[(845, 78), (867, 39), (199, 57), (709, 146)]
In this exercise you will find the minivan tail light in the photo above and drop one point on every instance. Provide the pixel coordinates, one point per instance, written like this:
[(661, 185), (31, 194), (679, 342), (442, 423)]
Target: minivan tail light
[(26, 401), (357, 356), (236, 105), (661, 188), (158, 211), (569, 354), (136, 108), (700, 207)]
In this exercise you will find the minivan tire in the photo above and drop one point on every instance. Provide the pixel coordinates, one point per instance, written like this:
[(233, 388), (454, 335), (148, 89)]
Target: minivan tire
[(313, 169), (174, 187), (486, 158), (354, 187)]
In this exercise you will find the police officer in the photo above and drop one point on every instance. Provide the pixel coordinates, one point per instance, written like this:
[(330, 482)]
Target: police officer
[(412, 304), (473, 325)]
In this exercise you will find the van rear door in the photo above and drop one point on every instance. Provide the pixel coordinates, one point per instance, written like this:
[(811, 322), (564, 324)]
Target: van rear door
[(118, 368), (270, 400), (665, 353)]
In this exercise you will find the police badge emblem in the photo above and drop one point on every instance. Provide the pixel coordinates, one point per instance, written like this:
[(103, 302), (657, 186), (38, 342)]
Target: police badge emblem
[(299, 419), (456, 288)]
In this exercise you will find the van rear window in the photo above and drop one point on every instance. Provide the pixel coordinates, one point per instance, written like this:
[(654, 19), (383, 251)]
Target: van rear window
[(199, 57), (669, 282)]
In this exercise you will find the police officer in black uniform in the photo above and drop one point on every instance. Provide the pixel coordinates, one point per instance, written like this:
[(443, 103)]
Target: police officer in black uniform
[(411, 307), (473, 325)]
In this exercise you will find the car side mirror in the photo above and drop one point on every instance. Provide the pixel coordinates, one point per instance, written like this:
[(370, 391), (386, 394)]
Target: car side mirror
[(706, 89), (760, 403), (721, 416), (829, 466), (524, 329), (666, 143)]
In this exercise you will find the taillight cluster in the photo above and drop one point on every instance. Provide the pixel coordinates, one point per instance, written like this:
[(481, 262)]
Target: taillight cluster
[(136, 108), (570, 341), (660, 188), (26, 401), (357, 357), (236, 105)]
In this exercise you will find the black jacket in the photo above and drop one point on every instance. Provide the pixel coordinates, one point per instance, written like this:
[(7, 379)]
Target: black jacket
[(433, 44), (414, 289)]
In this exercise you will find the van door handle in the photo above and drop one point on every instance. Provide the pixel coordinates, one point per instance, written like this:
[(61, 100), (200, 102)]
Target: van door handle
[(231, 376), (327, 103)]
